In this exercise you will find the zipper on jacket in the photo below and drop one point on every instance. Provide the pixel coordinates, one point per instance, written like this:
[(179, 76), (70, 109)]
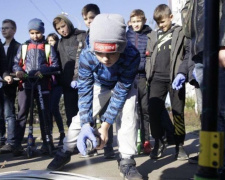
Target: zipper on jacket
[(136, 40), (35, 57), (195, 28)]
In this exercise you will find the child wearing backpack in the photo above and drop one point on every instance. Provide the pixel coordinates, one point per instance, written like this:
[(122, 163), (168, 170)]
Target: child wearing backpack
[(33, 62)]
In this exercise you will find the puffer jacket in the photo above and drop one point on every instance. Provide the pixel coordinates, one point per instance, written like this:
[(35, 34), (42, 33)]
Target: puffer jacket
[(179, 54), (35, 60), (119, 77), (139, 40)]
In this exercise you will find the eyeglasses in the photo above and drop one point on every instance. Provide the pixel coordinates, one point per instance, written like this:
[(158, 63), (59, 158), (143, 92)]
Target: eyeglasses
[(6, 28)]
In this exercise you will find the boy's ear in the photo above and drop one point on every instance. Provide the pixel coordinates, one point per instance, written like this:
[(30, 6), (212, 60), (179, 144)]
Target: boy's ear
[(144, 20), (171, 16)]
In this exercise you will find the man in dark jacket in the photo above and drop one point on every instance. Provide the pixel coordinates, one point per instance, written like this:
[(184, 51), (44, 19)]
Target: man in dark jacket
[(191, 10), (9, 91), (71, 40)]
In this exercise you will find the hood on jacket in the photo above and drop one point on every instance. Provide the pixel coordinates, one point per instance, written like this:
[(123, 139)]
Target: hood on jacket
[(67, 21), (145, 30)]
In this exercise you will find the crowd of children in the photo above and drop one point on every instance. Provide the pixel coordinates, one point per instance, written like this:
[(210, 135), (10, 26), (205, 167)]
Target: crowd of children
[(117, 73)]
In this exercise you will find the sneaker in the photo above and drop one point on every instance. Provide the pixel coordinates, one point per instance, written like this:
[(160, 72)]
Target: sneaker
[(147, 148), (180, 153), (2, 143), (93, 152), (18, 150), (193, 160), (6, 149), (61, 137), (59, 161), (128, 170), (109, 153), (158, 149), (44, 148)]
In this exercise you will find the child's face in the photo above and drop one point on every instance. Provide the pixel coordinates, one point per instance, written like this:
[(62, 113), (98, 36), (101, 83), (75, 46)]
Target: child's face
[(51, 41), (7, 30), (137, 23), (108, 59), (165, 23), (88, 18), (62, 28), (35, 35)]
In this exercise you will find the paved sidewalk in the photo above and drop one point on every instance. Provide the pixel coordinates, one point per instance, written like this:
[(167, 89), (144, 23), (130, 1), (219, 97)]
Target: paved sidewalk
[(166, 168)]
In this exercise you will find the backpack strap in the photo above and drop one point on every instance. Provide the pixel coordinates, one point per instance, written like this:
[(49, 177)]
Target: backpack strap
[(47, 51), (24, 51)]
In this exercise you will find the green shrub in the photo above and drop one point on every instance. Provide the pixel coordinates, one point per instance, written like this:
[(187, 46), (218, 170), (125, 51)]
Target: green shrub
[(189, 103)]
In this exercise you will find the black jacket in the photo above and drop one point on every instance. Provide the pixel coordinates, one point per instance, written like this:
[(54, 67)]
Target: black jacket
[(193, 24), (179, 54), (67, 49), (7, 67)]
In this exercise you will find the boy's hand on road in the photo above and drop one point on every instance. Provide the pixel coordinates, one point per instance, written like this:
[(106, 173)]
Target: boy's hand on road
[(87, 132), (103, 133), (178, 81)]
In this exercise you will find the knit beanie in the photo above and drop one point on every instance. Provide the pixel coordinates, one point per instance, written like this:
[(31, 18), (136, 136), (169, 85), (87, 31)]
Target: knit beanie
[(108, 33), (36, 24)]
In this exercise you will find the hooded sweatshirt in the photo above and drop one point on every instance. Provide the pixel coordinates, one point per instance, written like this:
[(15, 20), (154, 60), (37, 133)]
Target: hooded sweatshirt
[(67, 49)]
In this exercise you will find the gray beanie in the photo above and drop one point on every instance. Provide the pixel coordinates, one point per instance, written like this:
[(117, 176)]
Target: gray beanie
[(36, 24), (108, 33)]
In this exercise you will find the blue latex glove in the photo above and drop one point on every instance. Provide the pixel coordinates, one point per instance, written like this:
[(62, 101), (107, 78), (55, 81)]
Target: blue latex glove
[(178, 81), (74, 84), (87, 132)]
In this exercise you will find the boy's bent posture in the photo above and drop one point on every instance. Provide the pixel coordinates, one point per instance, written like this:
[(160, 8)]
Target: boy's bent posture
[(106, 72)]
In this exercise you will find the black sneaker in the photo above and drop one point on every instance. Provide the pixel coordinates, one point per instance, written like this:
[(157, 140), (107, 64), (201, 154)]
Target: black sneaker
[(128, 170), (44, 148), (61, 137), (2, 143), (93, 152), (193, 160), (6, 149), (59, 161), (18, 150), (158, 149), (180, 153), (109, 153)]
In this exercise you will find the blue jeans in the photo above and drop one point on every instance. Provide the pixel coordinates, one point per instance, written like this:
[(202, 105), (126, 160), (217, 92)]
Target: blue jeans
[(2, 120), (55, 95), (10, 117), (221, 102)]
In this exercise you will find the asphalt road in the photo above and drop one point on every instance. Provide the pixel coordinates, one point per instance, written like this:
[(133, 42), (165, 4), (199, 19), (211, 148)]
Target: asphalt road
[(166, 168)]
